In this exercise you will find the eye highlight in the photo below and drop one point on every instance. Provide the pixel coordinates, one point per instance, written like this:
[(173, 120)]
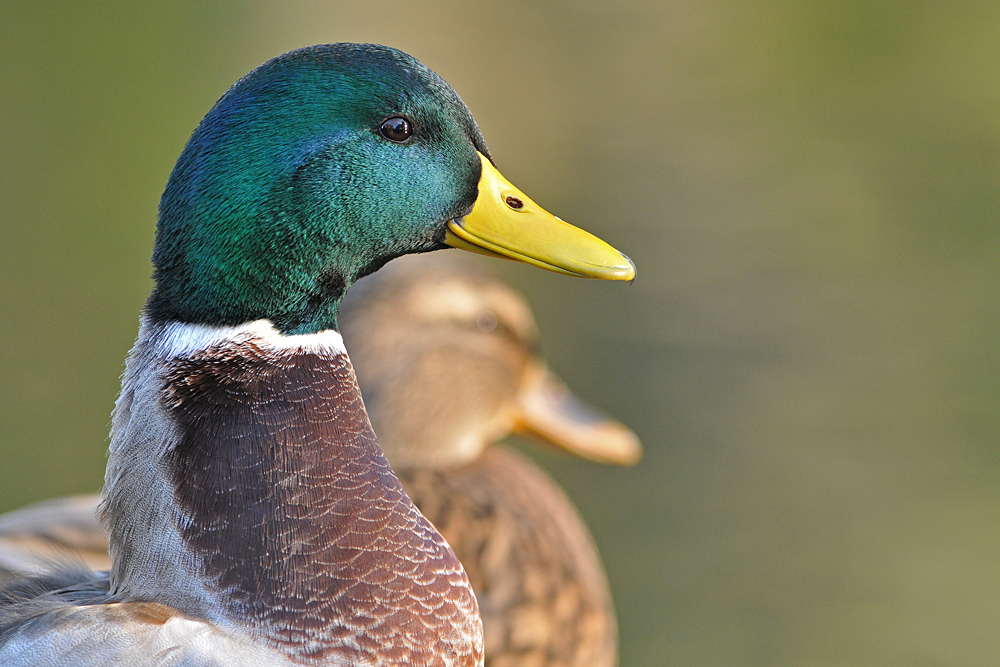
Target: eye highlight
[(396, 129)]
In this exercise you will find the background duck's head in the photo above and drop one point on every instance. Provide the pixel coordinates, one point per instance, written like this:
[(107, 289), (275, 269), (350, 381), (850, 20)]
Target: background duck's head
[(320, 166), (448, 360)]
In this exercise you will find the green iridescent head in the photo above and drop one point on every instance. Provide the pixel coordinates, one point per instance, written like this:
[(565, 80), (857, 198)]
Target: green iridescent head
[(289, 191), (320, 166)]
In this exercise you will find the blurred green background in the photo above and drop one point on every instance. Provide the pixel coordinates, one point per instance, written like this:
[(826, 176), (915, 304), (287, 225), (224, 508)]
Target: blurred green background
[(810, 354)]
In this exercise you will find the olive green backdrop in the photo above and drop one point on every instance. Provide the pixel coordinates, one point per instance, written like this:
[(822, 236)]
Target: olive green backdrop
[(811, 192)]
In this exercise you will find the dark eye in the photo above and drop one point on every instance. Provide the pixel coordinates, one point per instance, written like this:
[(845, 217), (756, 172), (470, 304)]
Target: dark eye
[(396, 129)]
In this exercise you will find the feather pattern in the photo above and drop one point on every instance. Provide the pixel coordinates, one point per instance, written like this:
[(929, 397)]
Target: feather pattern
[(267, 515)]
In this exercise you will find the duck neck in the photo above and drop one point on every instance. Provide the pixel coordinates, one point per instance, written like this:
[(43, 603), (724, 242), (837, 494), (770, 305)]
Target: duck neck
[(245, 486)]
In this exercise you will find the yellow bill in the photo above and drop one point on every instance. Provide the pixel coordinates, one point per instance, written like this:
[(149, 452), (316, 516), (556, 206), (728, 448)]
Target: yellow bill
[(506, 223), (546, 409)]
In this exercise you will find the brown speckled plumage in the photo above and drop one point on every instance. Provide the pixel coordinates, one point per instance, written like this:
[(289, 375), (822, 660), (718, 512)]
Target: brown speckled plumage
[(441, 387), (296, 515), (541, 588)]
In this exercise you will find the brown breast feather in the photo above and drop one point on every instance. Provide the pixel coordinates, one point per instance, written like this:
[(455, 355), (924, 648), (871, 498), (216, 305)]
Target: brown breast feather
[(298, 520)]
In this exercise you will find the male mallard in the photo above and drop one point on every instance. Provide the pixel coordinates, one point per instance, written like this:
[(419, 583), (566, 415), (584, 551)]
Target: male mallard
[(447, 362), (251, 515)]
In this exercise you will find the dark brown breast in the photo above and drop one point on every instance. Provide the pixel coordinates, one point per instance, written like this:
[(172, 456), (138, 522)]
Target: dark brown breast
[(297, 519)]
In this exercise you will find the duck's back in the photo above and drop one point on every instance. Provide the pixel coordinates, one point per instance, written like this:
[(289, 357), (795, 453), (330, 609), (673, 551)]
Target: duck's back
[(71, 615)]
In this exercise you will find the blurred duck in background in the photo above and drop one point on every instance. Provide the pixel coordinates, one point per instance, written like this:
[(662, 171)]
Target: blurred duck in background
[(447, 359), (448, 363)]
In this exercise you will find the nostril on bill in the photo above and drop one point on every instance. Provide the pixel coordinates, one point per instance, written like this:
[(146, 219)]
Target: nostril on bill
[(514, 202)]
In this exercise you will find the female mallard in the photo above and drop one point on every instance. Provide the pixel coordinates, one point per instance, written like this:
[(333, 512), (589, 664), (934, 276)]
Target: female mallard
[(446, 357), (447, 362), (251, 515)]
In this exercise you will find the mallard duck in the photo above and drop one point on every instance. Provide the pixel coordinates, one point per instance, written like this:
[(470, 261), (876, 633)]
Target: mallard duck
[(446, 357), (252, 518)]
